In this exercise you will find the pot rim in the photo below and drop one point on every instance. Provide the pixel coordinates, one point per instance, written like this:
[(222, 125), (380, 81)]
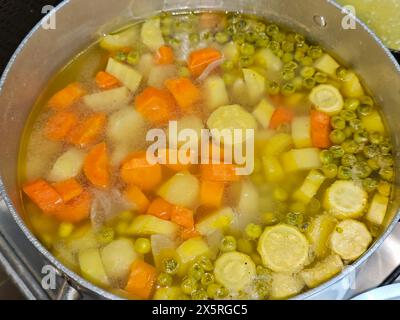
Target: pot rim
[(82, 283)]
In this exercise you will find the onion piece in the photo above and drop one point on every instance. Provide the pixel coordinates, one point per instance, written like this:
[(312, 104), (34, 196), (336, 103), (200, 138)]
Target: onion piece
[(210, 68)]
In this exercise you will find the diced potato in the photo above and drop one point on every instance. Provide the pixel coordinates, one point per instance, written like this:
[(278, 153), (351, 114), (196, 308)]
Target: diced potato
[(117, 258), (191, 122), (147, 225), (266, 58), (295, 100), (215, 93), (285, 285), (68, 165), (190, 250), (301, 132), (109, 100), (146, 64), (273, 170), (373, 122), (378, 208), (151, 34), (263, 113), (159, 74), (327, 64), (318, 233), (231, 52), (183, 189), (128, 76), (322, 271), (169, 293), (92, 267), (301, 159), (126, 126), (262, 137), (238, 92), (82, 238), (255, 84), (351, 87), (124, 39), (310, 186), (63, 253), (218, 220), (162, 246), (278, 144)]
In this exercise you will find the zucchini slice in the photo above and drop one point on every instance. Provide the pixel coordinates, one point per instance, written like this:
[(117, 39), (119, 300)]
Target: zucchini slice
[(322, 271), (234, 270), (283, 248), (345, 199), (327, 99), (285, 285), (350, 239)]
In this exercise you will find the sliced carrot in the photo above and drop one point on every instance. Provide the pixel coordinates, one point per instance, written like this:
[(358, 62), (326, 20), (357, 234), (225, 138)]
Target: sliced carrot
[(138, 171), (66, 97), (76, 210), (281, 116), (188, 233), (59, 125), (89, 130), (184, 91), (174, 165), (320, 129), (210, 20), (156, 105), (160, 209), (104, 80), (43, 195), (165, 55), (68, 189), (211, 193), (137, 198), (200, 59), (97, 166), (182, 216), (219, 172), (142, 279)]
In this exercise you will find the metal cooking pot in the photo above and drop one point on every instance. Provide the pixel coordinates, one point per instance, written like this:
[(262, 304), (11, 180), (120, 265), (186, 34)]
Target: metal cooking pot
[(78, 23)]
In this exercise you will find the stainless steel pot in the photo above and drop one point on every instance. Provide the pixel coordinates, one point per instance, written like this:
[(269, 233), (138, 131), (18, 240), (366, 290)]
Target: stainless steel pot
[(78, 23)]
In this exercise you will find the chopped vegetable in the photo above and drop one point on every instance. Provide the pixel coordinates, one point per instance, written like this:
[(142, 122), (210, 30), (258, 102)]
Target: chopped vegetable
[(59, 125), (138, 171), (146, 225), (345, 199), (92, 267), (67, 97), (137, 198), (327, 99), (141, 280), (263, 112), (109, 100), (169, 293), (96, 166), (310, 186), (301, 159), (283, 248), (255, 85), (160, 73), (160, 209), (188, 233), (182, 217), (350, 239), (215, 93), (278, 144), (165, 55), (155, 105), (373, 123), (121, 40), (320, 129), (211, 193), (68, 165), (281, 116), (89, 130), (190, 250), (322, 271), (218, 220), (43, 195), (273, 170), (128, 76), (68, 189), (378, 208), (151, 34), (285, 285), (200, 59), (76, 210), (318, 233), (351, 86), (327, 65), (105, 80), (301, 132), (219, 172), (234, 270), (184, 91)]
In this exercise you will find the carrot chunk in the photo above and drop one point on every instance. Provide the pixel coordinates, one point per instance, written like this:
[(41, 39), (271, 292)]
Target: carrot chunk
[(138, 171), (142, 279), (184, 91), (66, 97), (97, 166), (137, 198), (89, 130), (59, 125), (155, 105), (200, 59), (211, 193), (165, 55), (104, 80), (320, 129), (174, 165), (219, 172), (188, 233), (68, 189), (281, 116), (182, 216), (43, 195), (76, 210), (160, 209)]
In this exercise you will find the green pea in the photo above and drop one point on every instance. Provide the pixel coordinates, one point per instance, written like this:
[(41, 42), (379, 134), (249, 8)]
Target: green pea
[(246, 61), (247, 49), (253, 231), (309, 83), (228, 244), (348, 115), (262, 288), (337, 136), (370, 184), (205, 263), (299, 38), (133, 58), (387, 173), (342, 73), (338, 123), (386, 161), (288, 46), (121, 56), (299, 55), (184, 72), (216, 291), (356, 124), (288, 75), (362, 170), (273, 88), (371, 151), (376, 137), (142, 246), (307, 61), (288, 89), (384, 188), (373, 164), (274, 46), (361, 137), (105, 235), (348, 131), (307, 72), (292, 66), (222, 37), (272, 29), (287, 57), (349, 160), (350, 146), (196, 271), (245, 246), (170, 265), (364, 110), (321, 77), (164, 280), (344, 173), (315, 52), (278, 37), (337, 152), (326, 156), (315, 205), (386, 147), (294, 218), (207, 279), (303, 47), (194, 38), (227, 65), (351, 104), (239, 38), (241, 24), (262, 41), (259, 27), (251, 37), (188, 285)]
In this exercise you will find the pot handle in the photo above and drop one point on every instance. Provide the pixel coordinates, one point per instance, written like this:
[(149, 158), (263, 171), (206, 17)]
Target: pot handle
[(68, 292)]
